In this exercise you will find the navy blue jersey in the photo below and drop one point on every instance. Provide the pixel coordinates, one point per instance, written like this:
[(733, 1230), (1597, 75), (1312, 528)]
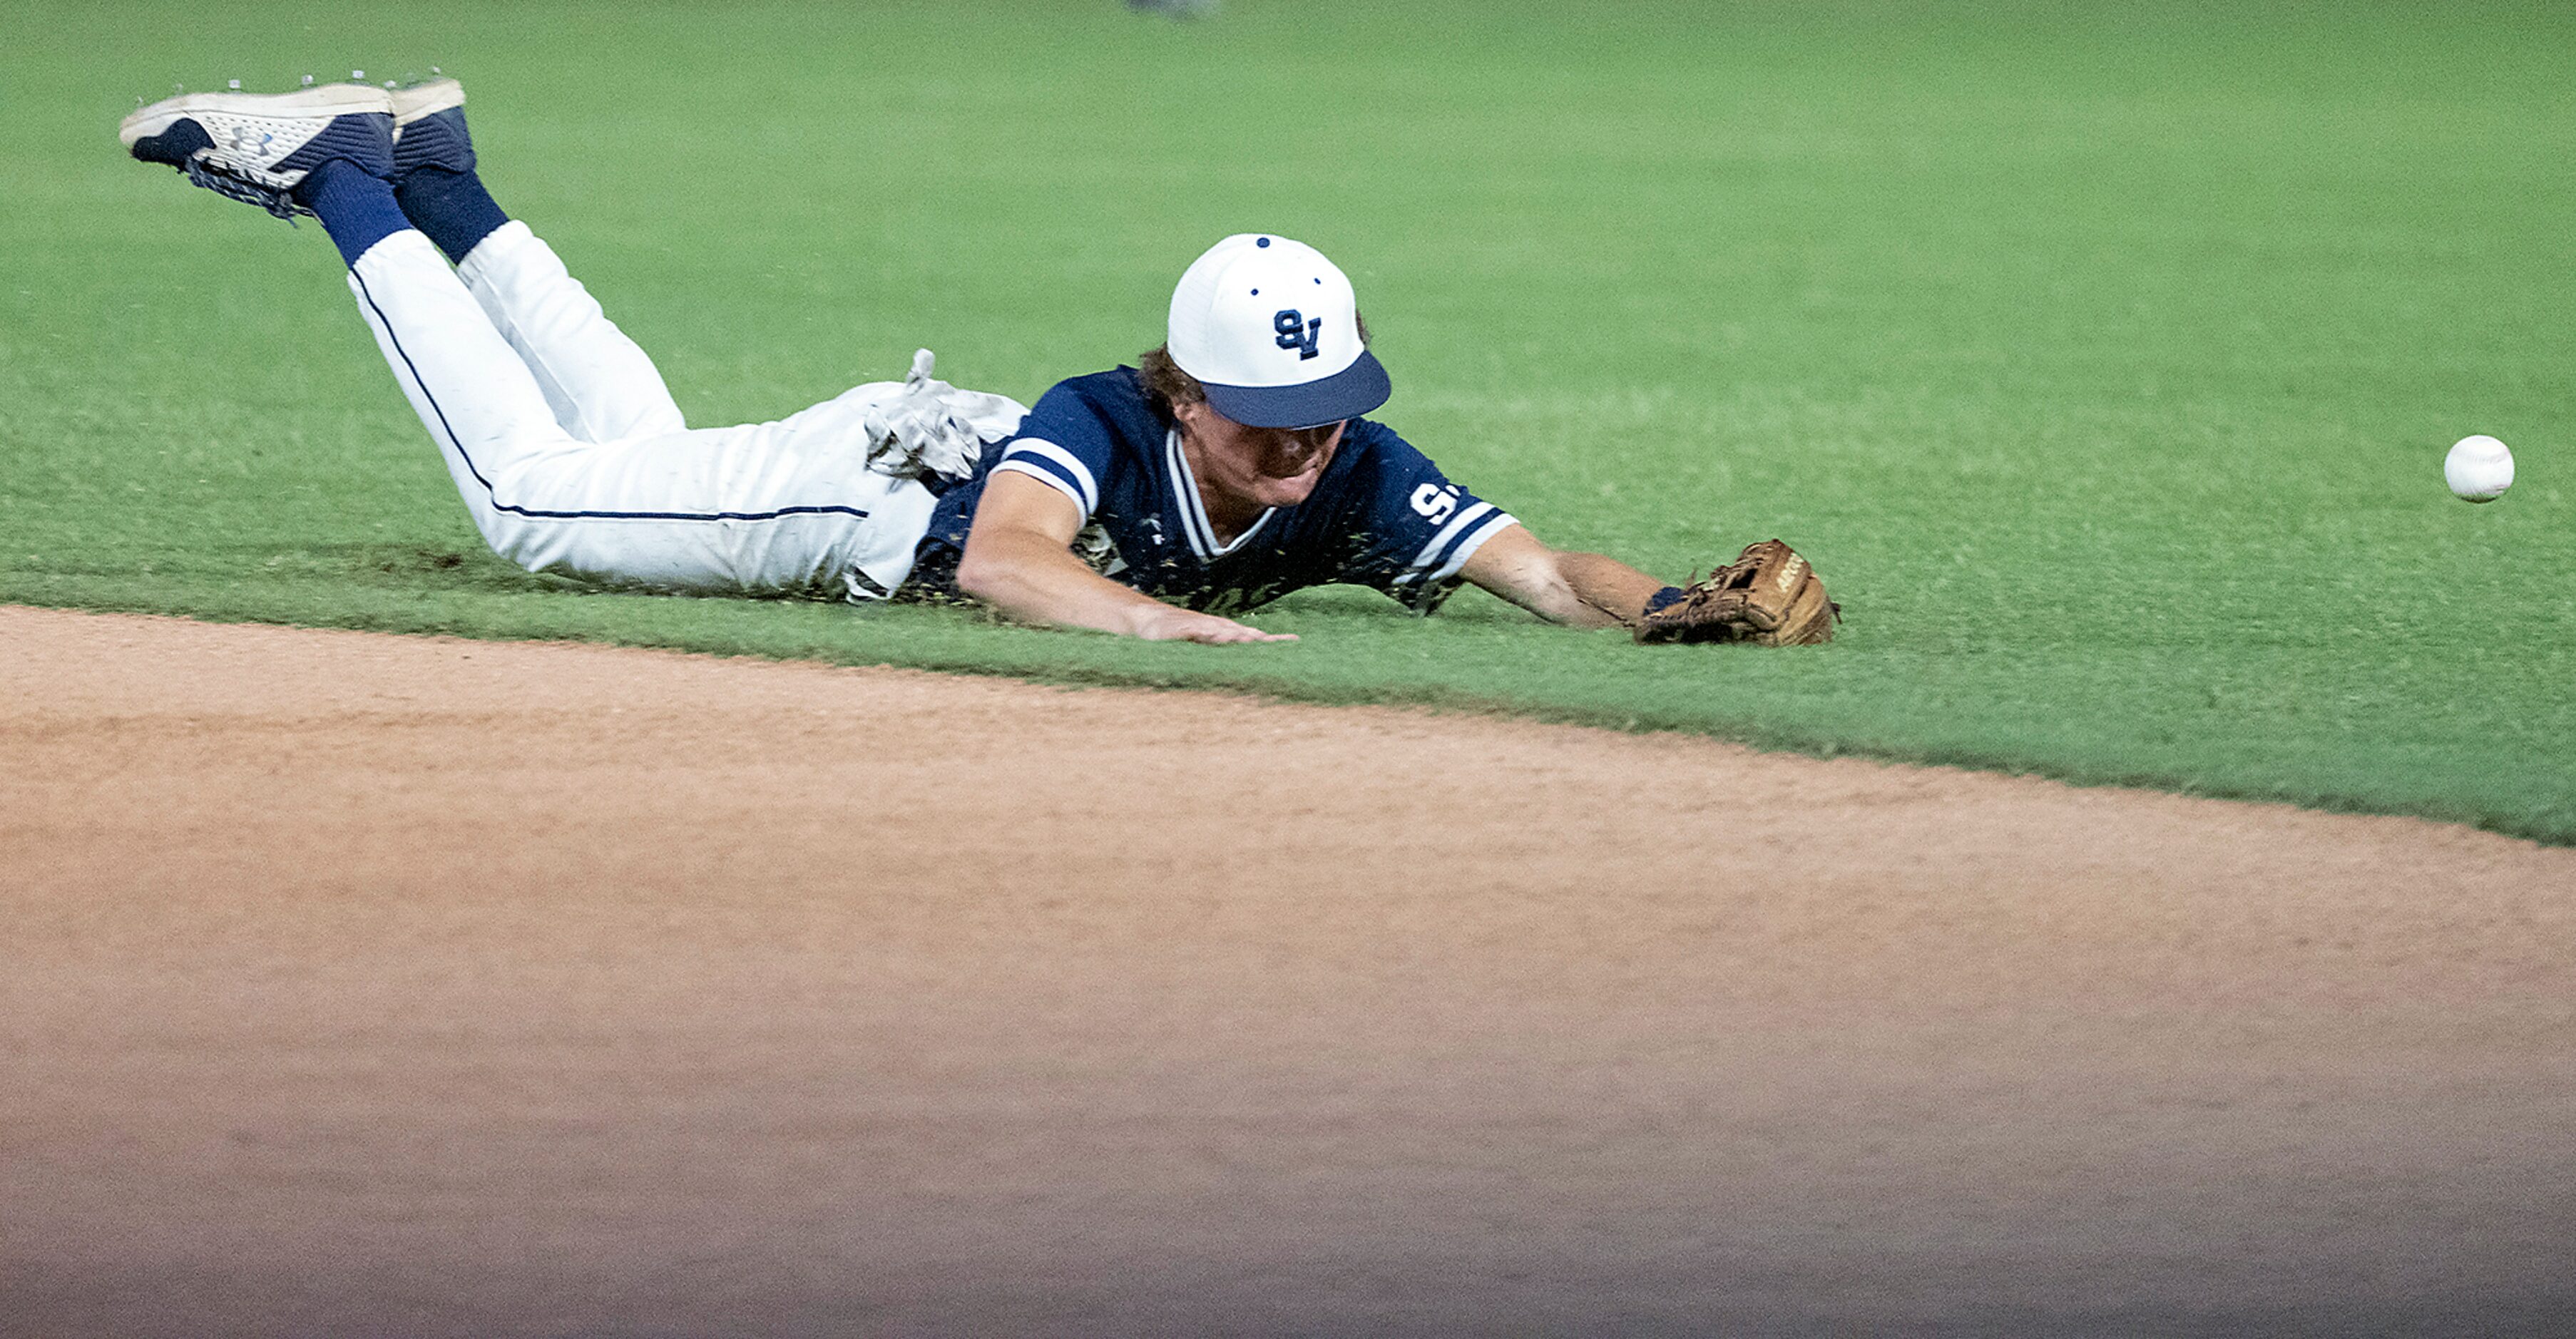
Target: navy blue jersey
[(1382, 515)]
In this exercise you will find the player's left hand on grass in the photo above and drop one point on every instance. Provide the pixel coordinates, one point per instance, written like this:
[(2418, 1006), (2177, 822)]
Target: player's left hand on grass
[(1769, 596)]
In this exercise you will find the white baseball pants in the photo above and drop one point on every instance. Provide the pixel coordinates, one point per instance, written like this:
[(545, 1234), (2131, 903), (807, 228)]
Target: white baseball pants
[(573, 458)]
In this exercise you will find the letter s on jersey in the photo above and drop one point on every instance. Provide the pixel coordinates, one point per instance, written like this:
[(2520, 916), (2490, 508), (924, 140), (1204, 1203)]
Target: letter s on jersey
[(1435, 502)]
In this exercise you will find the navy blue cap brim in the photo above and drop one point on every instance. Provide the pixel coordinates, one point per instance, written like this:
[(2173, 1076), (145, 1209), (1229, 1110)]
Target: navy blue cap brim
[(1349, 393)]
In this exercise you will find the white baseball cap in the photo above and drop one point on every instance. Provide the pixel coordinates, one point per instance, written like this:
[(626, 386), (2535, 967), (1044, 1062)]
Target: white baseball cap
[(1270, 328)]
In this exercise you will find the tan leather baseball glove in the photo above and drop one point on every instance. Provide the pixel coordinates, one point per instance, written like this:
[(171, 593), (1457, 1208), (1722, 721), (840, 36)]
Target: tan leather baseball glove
[(1768, 596)]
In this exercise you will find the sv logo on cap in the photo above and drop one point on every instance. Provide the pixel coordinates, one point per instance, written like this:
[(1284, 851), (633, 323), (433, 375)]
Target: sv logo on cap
[(1296, 332)]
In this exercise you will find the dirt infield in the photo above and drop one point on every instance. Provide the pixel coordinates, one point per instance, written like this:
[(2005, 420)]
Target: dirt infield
[(361, 984)]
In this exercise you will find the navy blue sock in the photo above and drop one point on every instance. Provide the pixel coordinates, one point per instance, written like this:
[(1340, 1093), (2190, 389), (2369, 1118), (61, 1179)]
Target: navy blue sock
[(356, 207), (451, 207)]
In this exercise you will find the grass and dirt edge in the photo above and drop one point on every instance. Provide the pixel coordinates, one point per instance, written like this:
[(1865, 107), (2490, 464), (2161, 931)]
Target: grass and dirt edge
[(428, 614)]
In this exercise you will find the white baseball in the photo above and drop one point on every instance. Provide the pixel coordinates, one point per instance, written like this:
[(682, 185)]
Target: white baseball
[(2479, 468)]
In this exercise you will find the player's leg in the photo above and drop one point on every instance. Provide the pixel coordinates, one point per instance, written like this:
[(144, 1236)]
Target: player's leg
[(601, 386), (338, 146), (766, 508), (788, 507)]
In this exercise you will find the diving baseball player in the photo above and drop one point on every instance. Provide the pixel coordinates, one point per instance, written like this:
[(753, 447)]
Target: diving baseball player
[(1233, 466)]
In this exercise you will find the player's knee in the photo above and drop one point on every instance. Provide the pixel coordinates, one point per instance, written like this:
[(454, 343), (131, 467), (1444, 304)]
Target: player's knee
[(513, 538)]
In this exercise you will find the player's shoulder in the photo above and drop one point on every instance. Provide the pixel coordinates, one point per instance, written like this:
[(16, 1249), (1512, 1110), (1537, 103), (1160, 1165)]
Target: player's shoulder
[(1374, 449), (1120, 382), (1373, 469), (1099, 416), (1116, 395)]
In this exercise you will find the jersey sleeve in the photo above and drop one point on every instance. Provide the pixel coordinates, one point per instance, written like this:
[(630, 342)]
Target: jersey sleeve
[(1413, 528), (1064, 443)]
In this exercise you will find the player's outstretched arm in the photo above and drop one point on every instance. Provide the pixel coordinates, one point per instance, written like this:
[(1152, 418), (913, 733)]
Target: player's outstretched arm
[(1019, 559), (1582, 590)]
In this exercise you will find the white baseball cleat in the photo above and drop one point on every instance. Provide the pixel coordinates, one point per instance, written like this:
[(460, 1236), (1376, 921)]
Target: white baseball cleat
[(426, 98), (429, 128), (256, 147)]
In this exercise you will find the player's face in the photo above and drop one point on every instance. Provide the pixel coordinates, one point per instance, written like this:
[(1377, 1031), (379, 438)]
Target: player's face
[(1268, 467)]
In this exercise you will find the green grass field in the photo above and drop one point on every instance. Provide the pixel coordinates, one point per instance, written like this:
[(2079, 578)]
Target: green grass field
[(2103, 361)]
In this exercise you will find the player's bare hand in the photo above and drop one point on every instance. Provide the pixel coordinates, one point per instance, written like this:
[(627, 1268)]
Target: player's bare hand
[(1186, 625)]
